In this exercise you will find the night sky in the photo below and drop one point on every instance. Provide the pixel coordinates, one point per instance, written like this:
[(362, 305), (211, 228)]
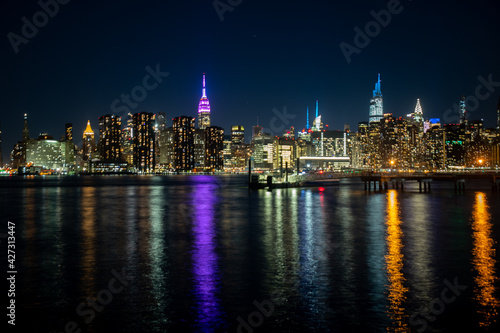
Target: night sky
[(262, 55)]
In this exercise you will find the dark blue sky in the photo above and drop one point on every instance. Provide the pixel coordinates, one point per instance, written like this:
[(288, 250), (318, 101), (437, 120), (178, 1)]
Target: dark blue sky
[(263, 55)]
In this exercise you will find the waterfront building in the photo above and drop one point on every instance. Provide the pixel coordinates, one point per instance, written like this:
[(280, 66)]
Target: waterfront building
[(214, 148), (435, 146), (167, 148), (284, 153), (144, 142), (127, 141), (227, 153), (18, 154), (359, 151), (88, 147), (199, 148), (263, 151), (184, 130), (48, 153), (160, 125), (455, 139), (110, 133)]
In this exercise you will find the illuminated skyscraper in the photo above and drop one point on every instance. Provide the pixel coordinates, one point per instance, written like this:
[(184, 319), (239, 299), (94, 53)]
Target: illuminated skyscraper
[(204, 108), (199, 148), (214, 148), (26, 131), (18, 154), (110, 138), (144, 142), (68, 132), (127, 140), (88, 145), (376, 104), (183, 143), (462, 111), (318, 124), (418, 115)]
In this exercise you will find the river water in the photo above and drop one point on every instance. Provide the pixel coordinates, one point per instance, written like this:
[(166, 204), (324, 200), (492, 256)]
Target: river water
[(205, 254)]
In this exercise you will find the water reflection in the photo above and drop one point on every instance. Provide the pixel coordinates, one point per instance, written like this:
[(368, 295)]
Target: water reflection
[(88, 207), (375, 218), (31, 258), (484, 261), (394, 264), (205, 261), (157, 257), (313, 255)]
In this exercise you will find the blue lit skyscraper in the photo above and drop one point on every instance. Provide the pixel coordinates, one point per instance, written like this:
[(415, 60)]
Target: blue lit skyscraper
[(462, 111), (376, 104)]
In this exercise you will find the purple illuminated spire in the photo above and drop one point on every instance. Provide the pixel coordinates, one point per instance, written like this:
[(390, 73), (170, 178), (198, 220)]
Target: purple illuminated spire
[(204, 108)]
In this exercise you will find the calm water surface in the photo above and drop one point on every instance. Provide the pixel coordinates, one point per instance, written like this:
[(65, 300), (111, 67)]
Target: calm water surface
[(204, 254)]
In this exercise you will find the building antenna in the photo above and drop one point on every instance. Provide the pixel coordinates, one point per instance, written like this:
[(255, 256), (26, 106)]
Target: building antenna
[(307, 124)]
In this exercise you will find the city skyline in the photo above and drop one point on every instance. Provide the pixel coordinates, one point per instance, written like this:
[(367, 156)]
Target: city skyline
[(204, 109), (250, 70)]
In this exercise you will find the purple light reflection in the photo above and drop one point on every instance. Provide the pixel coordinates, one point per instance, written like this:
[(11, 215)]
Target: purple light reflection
[(205, 269)]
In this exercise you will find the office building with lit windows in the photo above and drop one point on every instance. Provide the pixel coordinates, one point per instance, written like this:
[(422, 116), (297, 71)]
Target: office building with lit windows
[(144, 142), (110, 138), (237, 135), (214, 148), (199, 148), (88, 147), (184, 129), (167, 148)]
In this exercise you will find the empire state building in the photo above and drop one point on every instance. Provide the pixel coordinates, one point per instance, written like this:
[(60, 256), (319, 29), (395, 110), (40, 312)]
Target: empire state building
[(204, 109)]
